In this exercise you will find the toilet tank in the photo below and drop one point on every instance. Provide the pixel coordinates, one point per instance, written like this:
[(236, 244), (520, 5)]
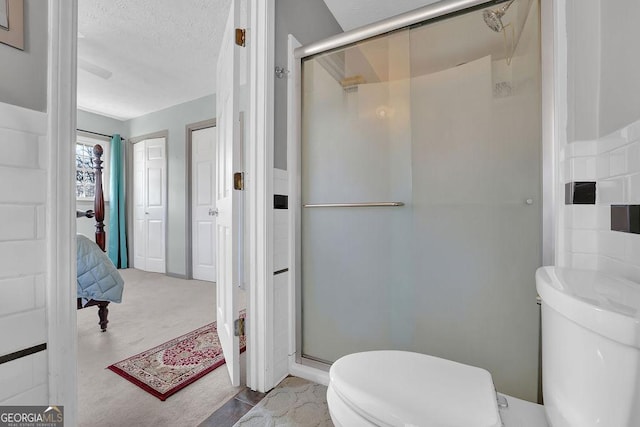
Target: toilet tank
[(590, 348)]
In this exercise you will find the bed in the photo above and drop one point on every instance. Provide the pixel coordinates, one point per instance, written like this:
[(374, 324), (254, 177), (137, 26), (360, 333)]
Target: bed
[(98, 280)]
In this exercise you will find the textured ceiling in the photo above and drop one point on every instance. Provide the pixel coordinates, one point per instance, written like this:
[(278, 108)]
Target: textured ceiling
[(155, 53), (351, 14)]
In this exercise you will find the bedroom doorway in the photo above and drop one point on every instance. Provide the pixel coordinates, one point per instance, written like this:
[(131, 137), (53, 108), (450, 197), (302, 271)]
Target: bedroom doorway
[(150, 205), (202, 139)]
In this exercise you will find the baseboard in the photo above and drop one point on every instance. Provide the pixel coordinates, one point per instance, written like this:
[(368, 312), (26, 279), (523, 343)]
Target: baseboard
[(309, 373), (177, 276)]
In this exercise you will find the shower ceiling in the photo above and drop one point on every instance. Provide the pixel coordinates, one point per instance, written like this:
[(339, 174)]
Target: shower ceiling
[(352, 14), (435, 47)]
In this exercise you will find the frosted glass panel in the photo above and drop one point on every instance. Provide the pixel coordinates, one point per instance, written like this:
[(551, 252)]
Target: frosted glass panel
[(444, 119)]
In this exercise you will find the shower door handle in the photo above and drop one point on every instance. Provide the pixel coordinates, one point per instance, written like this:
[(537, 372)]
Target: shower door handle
[(354, 205)]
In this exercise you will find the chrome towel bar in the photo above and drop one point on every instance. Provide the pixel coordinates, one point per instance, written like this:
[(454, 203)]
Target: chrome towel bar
[(353, 205)]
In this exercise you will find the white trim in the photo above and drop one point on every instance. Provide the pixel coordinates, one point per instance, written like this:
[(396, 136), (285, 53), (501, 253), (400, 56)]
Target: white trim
[(30, 120), (61, 223), (558, 64), (550, 157), (259, 179), (549, 146), (294, 94), (293, 122), (309, 373)]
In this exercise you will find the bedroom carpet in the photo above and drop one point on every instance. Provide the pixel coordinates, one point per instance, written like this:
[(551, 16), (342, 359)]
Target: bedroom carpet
[(155, 309)]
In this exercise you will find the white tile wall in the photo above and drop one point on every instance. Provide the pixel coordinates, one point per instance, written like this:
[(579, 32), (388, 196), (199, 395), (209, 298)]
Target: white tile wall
[(280, 223), (281, 281), (281, 325), (22, 374), (614, 163), (23, 191)]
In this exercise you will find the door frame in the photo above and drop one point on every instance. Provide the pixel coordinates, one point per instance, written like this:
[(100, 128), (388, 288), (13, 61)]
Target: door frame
[(258, 227), (60, 217), (62, 341), (189, 129), (128, 157)]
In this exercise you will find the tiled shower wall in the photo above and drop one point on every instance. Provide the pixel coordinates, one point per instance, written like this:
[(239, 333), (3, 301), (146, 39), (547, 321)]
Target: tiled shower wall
[(613, 162)]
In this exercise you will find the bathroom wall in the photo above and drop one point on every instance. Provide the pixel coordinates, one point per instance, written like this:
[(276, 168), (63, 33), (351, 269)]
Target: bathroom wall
[(308, 21), (619, 65), (602, 68), (611, 156), (583, 25), (23, 73), (24, 160)]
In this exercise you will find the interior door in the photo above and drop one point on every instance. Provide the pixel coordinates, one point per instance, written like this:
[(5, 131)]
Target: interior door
[(204, 213), (227, 198), (150, 203)]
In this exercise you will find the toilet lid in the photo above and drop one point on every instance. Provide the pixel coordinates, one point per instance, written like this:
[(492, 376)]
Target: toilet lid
[(399, 388)]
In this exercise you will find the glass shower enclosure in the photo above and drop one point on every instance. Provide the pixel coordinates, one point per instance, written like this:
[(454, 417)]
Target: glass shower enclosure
[(419, 214)]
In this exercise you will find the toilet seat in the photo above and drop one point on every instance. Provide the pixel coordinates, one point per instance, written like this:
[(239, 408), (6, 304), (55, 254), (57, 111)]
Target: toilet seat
[(397, 388)]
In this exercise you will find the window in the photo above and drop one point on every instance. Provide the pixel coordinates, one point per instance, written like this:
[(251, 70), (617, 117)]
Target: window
[(85, 173)]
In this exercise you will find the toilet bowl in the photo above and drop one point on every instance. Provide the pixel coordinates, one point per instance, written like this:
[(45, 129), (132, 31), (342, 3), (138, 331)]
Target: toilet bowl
[(397, 388), (591, 354)]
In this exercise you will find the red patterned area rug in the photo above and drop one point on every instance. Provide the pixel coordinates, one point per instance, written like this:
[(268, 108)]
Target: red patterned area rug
[(170, 367)]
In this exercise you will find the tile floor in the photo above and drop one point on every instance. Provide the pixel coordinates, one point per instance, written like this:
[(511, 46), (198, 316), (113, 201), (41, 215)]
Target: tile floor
[(294, 402), (229, 413)]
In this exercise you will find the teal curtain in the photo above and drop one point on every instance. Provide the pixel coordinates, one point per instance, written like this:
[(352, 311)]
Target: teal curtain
[(117, 230)]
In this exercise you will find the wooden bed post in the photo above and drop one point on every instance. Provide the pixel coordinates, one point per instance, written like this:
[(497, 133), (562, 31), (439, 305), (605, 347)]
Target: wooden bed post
[(98, 207), (98, 214), (98, 204)]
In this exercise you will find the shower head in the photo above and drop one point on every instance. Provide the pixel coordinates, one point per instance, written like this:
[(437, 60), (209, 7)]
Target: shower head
[(493, 18)]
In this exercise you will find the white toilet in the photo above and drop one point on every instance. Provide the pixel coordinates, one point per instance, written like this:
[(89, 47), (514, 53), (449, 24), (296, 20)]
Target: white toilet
[(590, 358)]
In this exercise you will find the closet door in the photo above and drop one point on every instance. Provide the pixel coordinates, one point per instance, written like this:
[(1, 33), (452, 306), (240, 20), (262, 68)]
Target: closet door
[(203, 207), (150, 205)]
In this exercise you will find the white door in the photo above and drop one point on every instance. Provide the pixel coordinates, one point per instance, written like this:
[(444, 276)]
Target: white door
[(150, 203), (203, 209), (227, 199)]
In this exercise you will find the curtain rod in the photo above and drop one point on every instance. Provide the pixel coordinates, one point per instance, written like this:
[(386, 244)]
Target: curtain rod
[(97, 133)]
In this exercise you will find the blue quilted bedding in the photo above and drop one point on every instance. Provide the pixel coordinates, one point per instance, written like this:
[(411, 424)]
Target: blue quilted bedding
[(98, 278)]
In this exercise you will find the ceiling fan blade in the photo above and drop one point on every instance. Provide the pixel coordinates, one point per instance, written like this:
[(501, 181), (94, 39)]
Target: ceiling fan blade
[(94, 69)]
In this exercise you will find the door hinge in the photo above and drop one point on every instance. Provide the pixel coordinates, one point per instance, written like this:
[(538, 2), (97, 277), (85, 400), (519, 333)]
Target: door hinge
[(238, 181), (241, 34), (238, 327)]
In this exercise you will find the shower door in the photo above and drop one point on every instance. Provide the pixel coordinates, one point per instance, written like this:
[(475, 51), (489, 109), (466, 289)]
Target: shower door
[(420, 216)]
